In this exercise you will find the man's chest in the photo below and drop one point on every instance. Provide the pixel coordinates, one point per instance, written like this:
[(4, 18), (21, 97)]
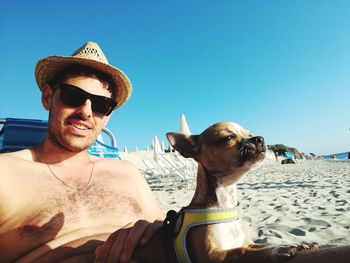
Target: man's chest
[(37, 208), (51, 207), (94, 204)]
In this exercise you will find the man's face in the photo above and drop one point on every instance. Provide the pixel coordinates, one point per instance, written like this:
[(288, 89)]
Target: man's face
[(76, 128)]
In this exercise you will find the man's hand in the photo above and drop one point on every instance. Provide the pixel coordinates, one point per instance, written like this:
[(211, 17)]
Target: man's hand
[(120, 245)]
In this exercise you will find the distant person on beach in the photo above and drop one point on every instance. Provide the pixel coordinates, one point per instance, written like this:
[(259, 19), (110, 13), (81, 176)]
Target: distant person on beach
[(57, 202)]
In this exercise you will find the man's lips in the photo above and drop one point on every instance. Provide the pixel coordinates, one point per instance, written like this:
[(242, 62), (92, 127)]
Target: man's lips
[(80, 124), (79, 127)]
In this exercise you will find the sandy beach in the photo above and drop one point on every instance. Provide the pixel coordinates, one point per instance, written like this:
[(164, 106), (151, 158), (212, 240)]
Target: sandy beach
[(307, 201)]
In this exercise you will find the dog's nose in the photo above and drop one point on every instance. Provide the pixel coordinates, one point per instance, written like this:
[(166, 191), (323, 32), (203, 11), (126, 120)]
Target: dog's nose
[(258, 139)]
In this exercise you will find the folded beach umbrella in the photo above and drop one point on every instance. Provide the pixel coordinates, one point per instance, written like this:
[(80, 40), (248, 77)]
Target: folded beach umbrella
[(162, 146), (156, 148), (183, 125)]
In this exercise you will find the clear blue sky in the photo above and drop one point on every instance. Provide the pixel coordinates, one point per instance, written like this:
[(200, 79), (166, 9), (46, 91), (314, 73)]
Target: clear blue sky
[(279, 68)]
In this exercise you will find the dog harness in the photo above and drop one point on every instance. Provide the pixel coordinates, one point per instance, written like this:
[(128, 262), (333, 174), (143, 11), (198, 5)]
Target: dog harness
[(188, 218)]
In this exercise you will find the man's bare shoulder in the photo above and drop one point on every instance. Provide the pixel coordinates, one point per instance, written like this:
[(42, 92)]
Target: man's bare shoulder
[(118, 166), (13, 157), (115, 162), (12, 163)]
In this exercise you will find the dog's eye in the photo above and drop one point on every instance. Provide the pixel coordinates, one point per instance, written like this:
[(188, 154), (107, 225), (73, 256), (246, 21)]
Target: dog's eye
[(230, 137)]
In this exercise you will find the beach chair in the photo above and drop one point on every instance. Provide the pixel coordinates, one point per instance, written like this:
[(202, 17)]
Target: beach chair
[(176, 168), (162, 173), (160, 167), (151, 171), (150, 168), (18, 134), (179, 175), (100, 149), (189, 164)]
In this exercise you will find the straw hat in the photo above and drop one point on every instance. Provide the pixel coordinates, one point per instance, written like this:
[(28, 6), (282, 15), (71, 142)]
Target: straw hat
[(91, 55)]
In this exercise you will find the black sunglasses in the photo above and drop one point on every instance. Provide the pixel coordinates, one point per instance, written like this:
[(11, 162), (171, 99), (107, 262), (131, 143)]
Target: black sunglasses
[(73, 96)]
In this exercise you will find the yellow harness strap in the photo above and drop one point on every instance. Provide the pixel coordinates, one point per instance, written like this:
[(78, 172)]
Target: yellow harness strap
[(189, 218)]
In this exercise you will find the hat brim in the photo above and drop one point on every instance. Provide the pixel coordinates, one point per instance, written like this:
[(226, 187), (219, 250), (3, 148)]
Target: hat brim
[(49, 67)]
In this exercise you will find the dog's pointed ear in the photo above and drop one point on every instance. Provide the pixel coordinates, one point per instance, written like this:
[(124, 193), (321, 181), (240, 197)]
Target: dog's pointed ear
[(186, 145)]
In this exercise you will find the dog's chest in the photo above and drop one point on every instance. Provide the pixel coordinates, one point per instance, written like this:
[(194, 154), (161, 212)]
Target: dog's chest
[(228, 235)]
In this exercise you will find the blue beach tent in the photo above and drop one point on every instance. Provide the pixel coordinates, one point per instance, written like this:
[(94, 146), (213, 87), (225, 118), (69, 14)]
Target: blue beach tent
[(289, 155), (18, 134)]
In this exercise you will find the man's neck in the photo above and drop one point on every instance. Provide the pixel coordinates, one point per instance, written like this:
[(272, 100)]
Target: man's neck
[(48, 153)]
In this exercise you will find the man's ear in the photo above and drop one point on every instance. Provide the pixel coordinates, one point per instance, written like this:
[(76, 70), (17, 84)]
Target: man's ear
[(186, 145), (46, 96)]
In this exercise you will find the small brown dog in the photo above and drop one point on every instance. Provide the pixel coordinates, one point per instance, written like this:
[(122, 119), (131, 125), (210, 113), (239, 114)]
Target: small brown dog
[(209, 229)]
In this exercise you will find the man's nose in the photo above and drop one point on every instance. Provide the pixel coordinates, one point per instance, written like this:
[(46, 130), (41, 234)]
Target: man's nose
[(85, 109)]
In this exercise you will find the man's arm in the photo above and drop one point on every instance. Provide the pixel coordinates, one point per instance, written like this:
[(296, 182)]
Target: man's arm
[(150, 206), (120, 246)]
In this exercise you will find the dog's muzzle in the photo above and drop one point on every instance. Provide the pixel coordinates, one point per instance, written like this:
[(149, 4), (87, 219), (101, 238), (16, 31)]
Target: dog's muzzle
[(253, 148)]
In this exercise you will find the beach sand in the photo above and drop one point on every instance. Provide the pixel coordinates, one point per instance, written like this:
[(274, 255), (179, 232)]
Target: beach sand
[(307, 201)]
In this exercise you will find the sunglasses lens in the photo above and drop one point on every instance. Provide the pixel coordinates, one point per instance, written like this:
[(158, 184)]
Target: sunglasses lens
[(102, 105), (74, 97)]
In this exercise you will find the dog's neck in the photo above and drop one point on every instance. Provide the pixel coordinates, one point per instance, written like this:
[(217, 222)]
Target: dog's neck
[(213, 191)]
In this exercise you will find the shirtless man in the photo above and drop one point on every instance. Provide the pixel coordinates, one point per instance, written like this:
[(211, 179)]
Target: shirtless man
[(57, 203)]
